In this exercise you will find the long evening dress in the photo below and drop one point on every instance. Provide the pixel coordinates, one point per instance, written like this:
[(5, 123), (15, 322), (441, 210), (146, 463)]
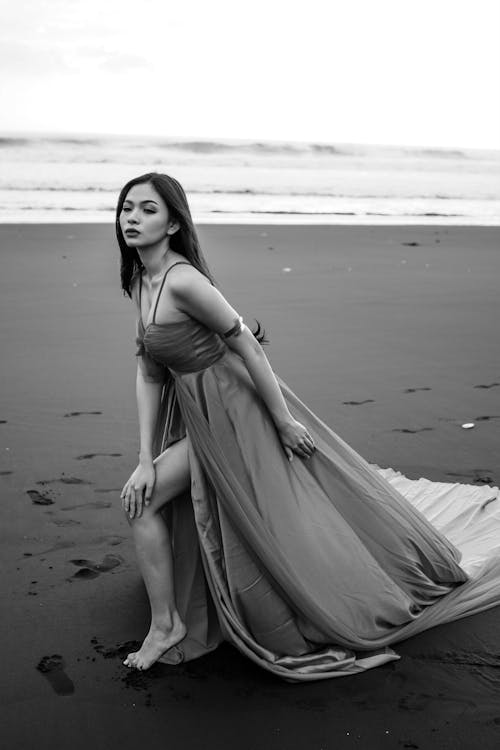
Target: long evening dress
[(310, 568)]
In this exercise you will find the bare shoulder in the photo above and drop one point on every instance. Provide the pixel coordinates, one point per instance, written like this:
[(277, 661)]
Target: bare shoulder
[(195, 295), (185, 281)]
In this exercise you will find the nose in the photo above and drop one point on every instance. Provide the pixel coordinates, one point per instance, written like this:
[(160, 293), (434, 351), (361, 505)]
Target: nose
[(132, 216)]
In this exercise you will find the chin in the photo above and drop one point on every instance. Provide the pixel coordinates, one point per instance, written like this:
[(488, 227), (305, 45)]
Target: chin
[(133, 241)]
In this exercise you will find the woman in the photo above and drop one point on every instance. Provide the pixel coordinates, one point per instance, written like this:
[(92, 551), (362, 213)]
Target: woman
[(253, 522)]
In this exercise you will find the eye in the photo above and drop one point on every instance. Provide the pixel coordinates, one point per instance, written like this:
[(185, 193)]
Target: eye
[(125, 209), (149, 211)]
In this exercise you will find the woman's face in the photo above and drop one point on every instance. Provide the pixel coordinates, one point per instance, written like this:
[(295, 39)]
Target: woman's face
[(144, 218)]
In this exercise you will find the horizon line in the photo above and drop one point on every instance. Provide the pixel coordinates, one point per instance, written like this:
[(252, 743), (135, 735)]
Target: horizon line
[(11, 133)]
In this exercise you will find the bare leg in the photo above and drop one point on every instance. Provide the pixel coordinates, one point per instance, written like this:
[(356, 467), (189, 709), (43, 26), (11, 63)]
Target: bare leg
[(154, 557)]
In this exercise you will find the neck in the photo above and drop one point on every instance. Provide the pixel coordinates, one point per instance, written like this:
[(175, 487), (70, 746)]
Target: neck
[(154, 258)]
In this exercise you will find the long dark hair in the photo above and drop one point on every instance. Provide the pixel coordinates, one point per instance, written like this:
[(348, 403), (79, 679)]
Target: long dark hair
[(184, 241)]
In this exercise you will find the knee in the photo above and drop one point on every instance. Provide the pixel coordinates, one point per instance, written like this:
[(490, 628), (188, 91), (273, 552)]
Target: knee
[(144, 519)]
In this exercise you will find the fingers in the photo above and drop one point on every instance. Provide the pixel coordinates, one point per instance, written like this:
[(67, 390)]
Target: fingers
[(128, 497), (302, 451), (139, 501), (135, 497), (305, 447), (136, 502), (131, 502), (309, 446), (125, 497), (147, 494)]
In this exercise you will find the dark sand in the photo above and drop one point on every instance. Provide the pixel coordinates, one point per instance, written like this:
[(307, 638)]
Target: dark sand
[(389, 333)]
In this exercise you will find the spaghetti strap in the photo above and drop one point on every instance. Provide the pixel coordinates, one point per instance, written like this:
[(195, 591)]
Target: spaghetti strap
[(177, 263)]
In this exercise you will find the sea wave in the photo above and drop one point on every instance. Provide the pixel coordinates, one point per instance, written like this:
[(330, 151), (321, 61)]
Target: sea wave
[(200, 147), (337, 213), (6, 142), (111, 209), (249, 191)]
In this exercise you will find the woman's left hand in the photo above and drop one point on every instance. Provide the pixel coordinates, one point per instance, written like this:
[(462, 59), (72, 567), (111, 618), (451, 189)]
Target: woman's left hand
[(296, 439)]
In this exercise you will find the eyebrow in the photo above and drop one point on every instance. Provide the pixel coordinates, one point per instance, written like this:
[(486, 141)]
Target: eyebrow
[(148, 200)]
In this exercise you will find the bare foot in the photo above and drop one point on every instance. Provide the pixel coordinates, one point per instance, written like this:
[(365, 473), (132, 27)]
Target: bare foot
[(156, 643)]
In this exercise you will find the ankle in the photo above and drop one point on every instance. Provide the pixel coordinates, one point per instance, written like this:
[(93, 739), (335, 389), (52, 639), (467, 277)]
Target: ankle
[(166, 622)]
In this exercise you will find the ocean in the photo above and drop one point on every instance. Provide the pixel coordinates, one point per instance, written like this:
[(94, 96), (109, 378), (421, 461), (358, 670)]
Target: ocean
[(54, 178)]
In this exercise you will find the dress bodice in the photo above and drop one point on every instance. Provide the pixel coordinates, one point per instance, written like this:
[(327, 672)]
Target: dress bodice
[(181, 345)]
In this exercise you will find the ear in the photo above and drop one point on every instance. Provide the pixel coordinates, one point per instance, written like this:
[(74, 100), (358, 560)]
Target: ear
[(173, 227)]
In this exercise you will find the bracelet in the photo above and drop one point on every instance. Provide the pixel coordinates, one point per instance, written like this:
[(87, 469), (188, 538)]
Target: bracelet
[(236, 329)]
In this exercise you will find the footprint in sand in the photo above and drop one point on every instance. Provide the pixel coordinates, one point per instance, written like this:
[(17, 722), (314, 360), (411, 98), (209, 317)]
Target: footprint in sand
[(358, 403), (483, 479), (411, 244), (3, 421), (52, 668), (93, 455), (62, 544), (459, 474), (485, 419), (489, 385), (38, 499), (73, 480), (96, 505), (64, 480), (5, 473), (476, 475), (79, 413), (113, 540), (414, 390), (85, 574), (90, 569), (407, 430), (65, 522)]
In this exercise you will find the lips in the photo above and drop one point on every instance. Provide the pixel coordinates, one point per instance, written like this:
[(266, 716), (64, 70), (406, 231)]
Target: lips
[(132, 232)]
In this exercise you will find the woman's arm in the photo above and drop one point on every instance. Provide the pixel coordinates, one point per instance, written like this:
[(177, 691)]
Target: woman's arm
[(148, 393), (195, 296), (139, 487)]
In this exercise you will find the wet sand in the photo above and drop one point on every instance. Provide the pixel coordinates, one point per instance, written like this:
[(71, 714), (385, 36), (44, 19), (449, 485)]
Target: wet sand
[(389, 333)]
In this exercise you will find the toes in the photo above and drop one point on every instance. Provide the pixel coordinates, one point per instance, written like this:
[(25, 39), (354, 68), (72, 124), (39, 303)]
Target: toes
[(130, 660)]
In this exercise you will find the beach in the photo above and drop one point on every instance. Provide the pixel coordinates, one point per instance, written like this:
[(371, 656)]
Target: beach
[(389, 333)]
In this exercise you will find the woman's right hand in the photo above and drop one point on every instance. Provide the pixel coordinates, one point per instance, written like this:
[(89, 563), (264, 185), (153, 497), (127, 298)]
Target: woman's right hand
[(138, 489)]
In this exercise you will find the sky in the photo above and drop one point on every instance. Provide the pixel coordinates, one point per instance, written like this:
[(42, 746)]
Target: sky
[(395, 72)]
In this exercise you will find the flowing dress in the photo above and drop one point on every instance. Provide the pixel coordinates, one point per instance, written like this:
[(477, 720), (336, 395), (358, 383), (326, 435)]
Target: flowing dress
[(311, 568)]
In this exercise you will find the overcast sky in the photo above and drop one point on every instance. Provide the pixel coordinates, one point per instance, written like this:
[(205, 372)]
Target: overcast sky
[(385, 71)]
